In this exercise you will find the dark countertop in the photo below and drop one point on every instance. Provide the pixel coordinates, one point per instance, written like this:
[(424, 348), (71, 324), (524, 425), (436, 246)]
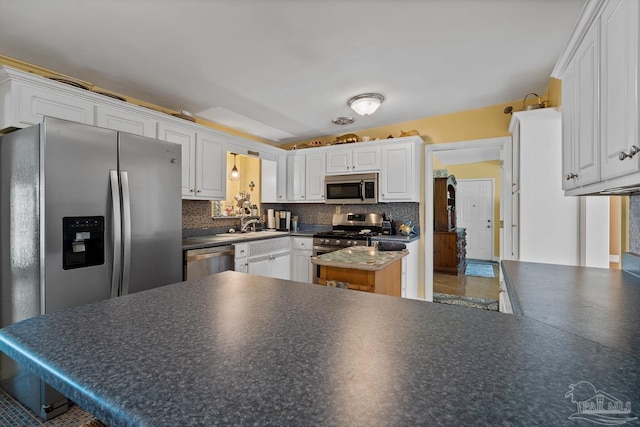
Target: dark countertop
[(598, 304), (223, 239), (239, 349)]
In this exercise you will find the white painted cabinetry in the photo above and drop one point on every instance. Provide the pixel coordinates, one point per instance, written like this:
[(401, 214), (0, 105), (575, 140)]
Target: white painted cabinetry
[(273, 179), (399, 179), (599, 70), (410, 272), (314, 176), (270, 257), (296, 173), (301, 267), (353, 160), (124, 120), (241, 250), (203, 161)]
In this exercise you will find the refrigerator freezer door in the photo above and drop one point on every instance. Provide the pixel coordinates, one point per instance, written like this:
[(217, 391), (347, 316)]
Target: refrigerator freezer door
[(77, 161), (153, 230)]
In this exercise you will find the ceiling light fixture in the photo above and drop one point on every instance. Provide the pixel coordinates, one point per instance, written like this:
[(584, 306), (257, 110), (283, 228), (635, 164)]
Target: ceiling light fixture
[(365, 103), (234, 175)]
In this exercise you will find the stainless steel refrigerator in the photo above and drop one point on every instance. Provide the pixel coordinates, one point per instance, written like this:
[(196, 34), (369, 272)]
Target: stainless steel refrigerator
[(86, 214)]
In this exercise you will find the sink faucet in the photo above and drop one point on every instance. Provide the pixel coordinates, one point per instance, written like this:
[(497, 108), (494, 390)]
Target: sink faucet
[(244, 225)]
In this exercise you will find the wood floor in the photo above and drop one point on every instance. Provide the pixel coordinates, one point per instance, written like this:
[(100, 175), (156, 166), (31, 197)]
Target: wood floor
[(469, 286)]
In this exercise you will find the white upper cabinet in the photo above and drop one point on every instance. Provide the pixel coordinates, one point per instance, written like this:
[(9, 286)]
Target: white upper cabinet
[(26, 99), (125, 120), (186, 137), (314, 176), (582, 154), (399, 179), (296, 173), (599, 70), (353, 160), (619, 95), (211, 162)]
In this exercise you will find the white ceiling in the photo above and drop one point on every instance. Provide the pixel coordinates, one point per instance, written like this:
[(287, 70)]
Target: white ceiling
[(282, 69)]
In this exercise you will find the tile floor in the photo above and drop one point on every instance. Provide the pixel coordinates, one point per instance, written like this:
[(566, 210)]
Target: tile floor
[(13, 414)]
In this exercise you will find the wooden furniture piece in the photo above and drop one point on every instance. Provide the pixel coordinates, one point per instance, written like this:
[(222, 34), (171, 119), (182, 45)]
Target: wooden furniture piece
[(449, 242), (444, 203), (449, 251)]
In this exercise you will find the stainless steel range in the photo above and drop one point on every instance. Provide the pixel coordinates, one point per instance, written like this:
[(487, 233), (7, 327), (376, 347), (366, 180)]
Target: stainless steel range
[(349, 229)]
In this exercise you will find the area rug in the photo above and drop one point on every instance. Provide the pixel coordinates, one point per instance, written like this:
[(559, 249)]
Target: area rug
[(481, 303), (479, 270)]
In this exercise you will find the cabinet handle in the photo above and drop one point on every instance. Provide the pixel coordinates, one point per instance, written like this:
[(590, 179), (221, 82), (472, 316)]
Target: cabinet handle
[(571, 176), (199, 191), (192, 191), (632, 152)]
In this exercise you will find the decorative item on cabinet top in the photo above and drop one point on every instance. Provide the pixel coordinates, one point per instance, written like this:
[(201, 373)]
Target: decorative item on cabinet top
[(540, 104)]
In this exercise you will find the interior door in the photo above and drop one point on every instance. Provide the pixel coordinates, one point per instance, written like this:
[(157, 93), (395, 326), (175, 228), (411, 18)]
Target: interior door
[(474, 204)]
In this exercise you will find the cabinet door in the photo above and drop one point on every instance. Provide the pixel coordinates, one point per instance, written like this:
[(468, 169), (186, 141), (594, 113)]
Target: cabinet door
[(315, 171), (186, 138), (302, 267), (211, 158), (125, 121), (397, 174), (296, 186), (618, 99), (586, 143), (339, 161), (260, 266), (365, 159), (35, 103), (280, 267), (569, 121)]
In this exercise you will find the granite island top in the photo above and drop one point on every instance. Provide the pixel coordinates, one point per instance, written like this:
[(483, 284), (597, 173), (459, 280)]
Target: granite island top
[(359, 257), (240, 349)]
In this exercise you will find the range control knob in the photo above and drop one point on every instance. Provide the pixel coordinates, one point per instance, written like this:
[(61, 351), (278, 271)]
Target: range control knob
[(355, 243), (337, 242)]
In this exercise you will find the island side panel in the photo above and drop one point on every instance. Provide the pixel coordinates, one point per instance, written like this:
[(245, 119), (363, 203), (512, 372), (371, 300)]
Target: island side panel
[(386, 281)]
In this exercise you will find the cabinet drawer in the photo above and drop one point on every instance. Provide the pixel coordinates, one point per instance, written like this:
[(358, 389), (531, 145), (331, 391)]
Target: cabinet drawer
[(302, 243)]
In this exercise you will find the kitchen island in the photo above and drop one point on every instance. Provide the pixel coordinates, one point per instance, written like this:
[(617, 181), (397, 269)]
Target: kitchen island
[(363, 268), (239, 349)]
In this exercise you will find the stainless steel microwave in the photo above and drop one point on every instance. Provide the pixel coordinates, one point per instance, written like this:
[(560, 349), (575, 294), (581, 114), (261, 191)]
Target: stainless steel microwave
[(351, 189)]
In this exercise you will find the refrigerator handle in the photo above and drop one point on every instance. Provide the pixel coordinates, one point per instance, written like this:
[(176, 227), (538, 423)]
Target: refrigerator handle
[(126, 232), (117, 233)]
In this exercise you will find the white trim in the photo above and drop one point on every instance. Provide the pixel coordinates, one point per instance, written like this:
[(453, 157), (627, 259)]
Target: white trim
[(504, 143), (614, 259)]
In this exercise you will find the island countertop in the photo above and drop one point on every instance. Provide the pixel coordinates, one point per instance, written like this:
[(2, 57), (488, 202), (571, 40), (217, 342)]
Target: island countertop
[(240, 349), (360, 258)]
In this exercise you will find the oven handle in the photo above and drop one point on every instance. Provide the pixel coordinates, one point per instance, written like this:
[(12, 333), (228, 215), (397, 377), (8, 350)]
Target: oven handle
[(362, 190)]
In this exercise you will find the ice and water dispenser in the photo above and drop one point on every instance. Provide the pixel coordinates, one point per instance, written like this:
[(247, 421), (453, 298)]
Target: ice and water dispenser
[(83, 241)]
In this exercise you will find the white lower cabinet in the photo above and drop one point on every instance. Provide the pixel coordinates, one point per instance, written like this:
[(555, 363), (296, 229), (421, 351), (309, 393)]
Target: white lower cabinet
[(504, 302), (270, 258), (301, 267), (410, 262), (240, 258)]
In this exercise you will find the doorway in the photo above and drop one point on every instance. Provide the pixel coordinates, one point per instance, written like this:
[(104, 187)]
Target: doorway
[(461, 153), (474, 205)]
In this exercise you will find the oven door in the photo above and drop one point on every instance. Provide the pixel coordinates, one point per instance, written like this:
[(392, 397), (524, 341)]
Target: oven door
[(317, 251)]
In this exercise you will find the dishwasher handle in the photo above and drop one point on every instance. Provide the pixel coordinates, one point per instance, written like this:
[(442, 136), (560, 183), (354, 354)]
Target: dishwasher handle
[(201, 254)]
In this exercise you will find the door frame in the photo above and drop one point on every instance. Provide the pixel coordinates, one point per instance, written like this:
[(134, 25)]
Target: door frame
[(493, 185), (505, 145)]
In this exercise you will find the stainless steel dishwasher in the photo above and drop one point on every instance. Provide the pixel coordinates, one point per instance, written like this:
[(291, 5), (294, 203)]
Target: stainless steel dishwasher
[(207, 261)]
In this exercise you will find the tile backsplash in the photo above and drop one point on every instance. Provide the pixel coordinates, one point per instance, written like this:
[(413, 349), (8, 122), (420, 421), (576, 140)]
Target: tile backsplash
[(196, 214), (634, 223)]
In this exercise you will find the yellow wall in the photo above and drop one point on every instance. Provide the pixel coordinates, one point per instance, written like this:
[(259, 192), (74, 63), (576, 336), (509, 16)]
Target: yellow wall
[(249, 168)]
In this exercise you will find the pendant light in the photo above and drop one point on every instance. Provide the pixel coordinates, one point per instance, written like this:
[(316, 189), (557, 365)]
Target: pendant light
[(234, 175)]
